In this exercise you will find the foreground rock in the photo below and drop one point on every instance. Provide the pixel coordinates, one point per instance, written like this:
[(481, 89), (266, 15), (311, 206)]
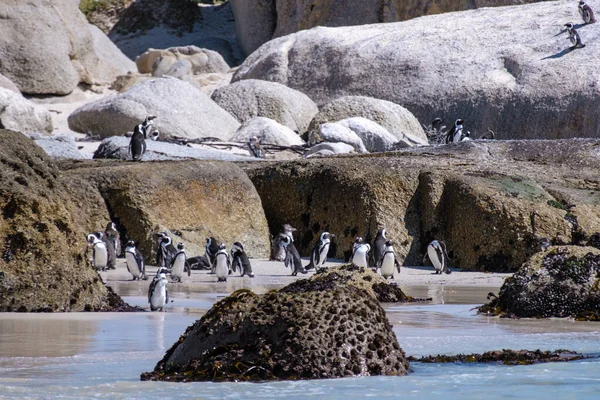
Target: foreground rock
[(182, 111), (21, 115), (47, 57), (494, 71), (44, 266), (307, 330), (191, 199), (559, 282)]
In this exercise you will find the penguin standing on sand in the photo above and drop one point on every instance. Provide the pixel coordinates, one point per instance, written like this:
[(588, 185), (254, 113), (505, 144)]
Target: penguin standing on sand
[(436, 251), (135, 261), (586, 13), (319, 253), (359, 253), (456, 133), (112, 234), (240, 260), (222, 263), (158, 294), (574, 37), (278, 251), (166, 251), (178, 264), (99, 252), (210, 251), (110, 249), (379, 245), (292, 257), (388, 262)]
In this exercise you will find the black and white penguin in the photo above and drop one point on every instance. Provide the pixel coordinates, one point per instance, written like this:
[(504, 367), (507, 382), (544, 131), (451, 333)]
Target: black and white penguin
[(360, 252), (165, 251), (210, 251), (574, 37), (135, 261), (158, 294), (99, 252), (388, 262), (178, 264), (379, 245), (319, 254), (436, 251), (222, 263), (113, 235), (456, 133), (586, 13), (292, 257), (239, 260), (110, 249), (254, 146), (198, 262), (137, 146), (278, 251)]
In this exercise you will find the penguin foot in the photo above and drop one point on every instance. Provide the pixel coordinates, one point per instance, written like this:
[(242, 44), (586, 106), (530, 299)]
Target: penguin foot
[(251, 275), (294, 273)]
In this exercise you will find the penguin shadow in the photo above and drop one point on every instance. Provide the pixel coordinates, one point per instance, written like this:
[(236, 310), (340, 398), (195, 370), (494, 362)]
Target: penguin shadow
[(560, 53)]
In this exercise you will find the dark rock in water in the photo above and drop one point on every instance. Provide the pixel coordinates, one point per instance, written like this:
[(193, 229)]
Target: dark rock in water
[(309, 330), (507, 357), (559, 282)]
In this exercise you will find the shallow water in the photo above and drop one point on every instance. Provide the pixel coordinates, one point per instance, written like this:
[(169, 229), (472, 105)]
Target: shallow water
[(84, 355)]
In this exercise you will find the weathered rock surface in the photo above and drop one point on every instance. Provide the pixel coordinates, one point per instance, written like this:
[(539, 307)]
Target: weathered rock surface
[(21, 115), (58, 147), (338, 133), (496, 74), (506, 357), (255, 22), (203, 61), (191, 199), (494, 203), (375, 137), (6, 83), (559, 282), (328, 149), (43, 256), (255, 98), (182, 110), (268, 131), (396, 119), (51, 58), (308, 330)]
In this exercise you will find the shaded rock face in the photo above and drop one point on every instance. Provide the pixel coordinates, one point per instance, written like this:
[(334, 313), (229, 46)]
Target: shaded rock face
[(196, 114), (495, 72), (255, 22), (493, 203), (19, 114), (42, 243), (191, 199), (303, 331), (51, 59), (255, 98), (559, 282)]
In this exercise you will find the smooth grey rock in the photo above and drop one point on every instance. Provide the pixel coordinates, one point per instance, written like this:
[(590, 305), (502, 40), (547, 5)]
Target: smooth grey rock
[(21, 115), (182, 110), (256, 98), (269, 132), (255, 22), (203, 61), (322, 149), (518, 79), (8, 84), (58, 147), (338, 133), (374, 136), (117, 147)]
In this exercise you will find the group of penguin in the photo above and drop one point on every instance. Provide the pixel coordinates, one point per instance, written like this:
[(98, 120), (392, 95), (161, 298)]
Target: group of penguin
[(384, 256), (587, 14)]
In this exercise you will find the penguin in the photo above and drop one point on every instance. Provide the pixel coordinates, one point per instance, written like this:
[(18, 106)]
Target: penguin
[(278, 251), (586, 13), (319, 254), (166, 251), (254, 146), (240, 260), (113, 235), (210, 251), (222, 263), (292, 257), (155, 135), (574, 37), (145, 127), (135, 261), (137, 145), (178, 264), (436, 251), (388, 261), (110, 249), (198, 262), (379, 245), (359, 253), (456, 134), (99, 252), (158, 294)]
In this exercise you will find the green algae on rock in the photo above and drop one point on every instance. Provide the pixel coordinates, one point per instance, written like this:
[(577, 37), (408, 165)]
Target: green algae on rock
[(307, 330), (559, 282)]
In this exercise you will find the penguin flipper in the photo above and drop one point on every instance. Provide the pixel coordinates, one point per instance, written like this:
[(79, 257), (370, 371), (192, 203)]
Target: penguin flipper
[(166, 296), (397, 263)]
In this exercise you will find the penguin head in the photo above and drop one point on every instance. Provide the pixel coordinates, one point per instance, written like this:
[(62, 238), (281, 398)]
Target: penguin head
[(389, 243), (327, 235), (582, 3), (222, 246), (180, 246), (569, 26), (155, 135), (237, 246), (111, 226), (162, 271), (149, 120), (458, 123), (382, 232), (288, 228), (358, 240), (436, 121), (130, 243), (91, 238)]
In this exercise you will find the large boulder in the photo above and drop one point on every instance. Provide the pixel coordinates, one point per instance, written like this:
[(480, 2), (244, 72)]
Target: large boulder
[(182, 110), (255, 98), (310, 329), (396, 119), (43, 262), (203, 61), (255, 22), (559, 282), (191, 199), (59, 147), (268, 131), (22, 115), (338, 133), (49, 48), (495, 73), (374, 136)]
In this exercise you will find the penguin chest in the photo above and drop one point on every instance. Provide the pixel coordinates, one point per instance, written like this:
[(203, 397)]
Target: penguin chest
[(222, 269), (323, 250), (178, 265), (360, 257), (387, 265), (132, 265), (159, 295), (100, 255), (435, 258)]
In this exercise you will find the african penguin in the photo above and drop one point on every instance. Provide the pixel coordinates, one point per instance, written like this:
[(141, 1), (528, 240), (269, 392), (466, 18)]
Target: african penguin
[(135, 261), (436, 251), (359, 253), (319, 254), (240, 260), (586, 13), (379, 245), (388, 262), (113, 235), (198, 262), (137, 146), (278, 251), (574, 37), (222, 263), (166, 251), (178, 265), (99, 252), (210, 251), (111, 262), (255, 148), (456, 133), (292, 257), (158, 295)]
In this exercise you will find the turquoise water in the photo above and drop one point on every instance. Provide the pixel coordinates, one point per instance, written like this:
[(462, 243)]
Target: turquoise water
[(82, 355)]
